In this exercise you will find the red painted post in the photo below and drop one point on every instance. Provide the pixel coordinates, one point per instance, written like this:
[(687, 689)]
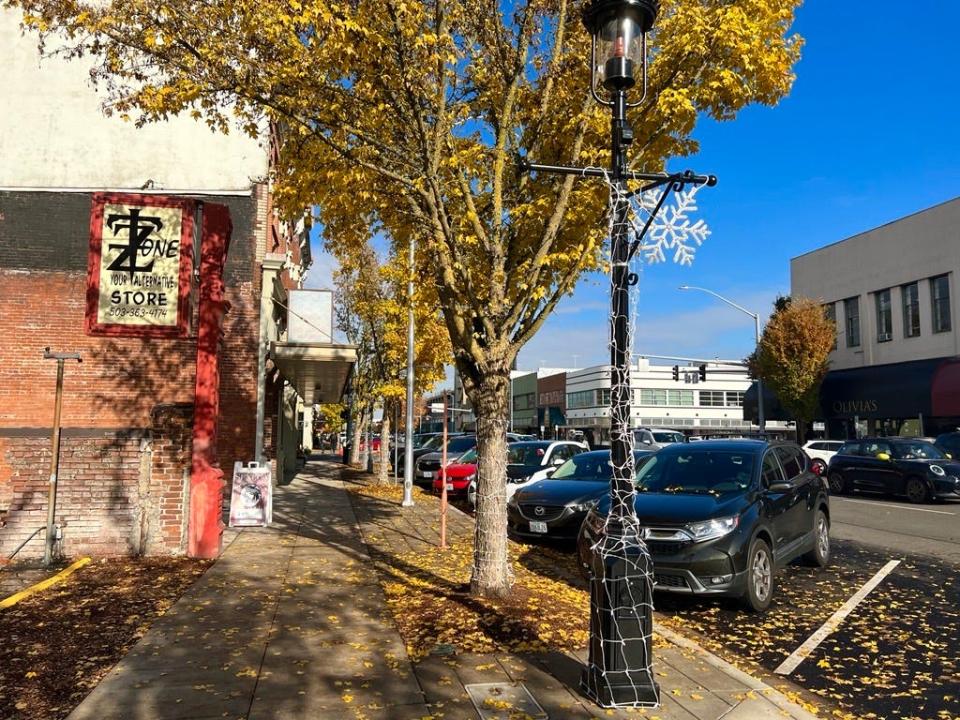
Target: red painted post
[(206, 480)]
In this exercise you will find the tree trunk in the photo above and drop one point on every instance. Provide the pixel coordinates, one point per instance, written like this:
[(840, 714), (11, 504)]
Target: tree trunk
[(491, 566), (358, 427), (383, 476)]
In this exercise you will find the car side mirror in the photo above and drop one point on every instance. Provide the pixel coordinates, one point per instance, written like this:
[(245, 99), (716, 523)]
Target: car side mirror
[(780, 487), (883, 456)]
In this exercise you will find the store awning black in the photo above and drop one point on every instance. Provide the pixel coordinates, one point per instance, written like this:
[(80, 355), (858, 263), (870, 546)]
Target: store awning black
[(900, 390)]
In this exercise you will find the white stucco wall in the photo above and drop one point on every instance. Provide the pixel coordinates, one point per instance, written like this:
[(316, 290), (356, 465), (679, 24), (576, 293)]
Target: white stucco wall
[(912, 249), (53, 133)]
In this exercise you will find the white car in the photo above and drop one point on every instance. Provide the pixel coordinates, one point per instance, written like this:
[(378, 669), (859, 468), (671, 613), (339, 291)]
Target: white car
[(656, 438), (528, 462), (820, 452)]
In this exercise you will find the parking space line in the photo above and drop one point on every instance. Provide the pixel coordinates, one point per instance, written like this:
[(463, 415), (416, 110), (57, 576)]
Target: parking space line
[(888, 505), (811, 643)]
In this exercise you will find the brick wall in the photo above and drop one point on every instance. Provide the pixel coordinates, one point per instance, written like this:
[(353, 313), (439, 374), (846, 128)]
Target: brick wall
[(122, 471), (119, 492)]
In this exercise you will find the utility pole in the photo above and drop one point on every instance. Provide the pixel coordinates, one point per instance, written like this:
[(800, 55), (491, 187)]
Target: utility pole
[(55, 452), (408, 442)]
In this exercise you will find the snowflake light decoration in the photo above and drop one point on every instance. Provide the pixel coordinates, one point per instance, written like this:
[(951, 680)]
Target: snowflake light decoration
[(672, 230)]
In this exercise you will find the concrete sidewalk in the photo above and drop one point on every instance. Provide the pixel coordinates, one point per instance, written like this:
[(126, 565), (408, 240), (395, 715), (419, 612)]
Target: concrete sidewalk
[(291, 623)]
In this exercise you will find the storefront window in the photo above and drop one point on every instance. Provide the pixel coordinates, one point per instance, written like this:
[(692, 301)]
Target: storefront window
[(911, 309), (851, 316), (884, 316), (940, 293)]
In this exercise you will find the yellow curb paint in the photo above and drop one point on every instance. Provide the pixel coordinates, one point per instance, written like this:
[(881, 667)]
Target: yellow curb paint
[(43, 584)]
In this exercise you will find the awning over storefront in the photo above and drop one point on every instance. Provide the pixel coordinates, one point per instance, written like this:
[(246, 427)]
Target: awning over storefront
[(900, 390), (318, 372)]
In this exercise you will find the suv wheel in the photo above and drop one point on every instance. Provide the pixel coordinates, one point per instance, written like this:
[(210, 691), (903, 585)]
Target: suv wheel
[(760, 577), (838, 485), (917, 490), (819, 555)]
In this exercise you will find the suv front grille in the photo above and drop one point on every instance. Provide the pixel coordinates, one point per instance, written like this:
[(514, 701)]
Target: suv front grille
[(548, 512)]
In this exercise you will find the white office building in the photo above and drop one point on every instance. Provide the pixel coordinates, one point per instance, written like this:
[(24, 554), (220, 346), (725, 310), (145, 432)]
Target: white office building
[(713, 406)]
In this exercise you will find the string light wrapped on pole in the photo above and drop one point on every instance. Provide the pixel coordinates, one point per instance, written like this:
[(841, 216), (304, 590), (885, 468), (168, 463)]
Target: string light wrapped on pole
[(619, 670)]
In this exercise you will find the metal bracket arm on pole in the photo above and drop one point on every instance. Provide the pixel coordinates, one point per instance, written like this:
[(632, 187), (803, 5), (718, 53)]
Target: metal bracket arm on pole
[(657, 178)]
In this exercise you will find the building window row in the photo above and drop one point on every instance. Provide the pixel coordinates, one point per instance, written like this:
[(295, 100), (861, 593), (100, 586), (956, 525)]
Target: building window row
[(659, 397), (910, 308), (588, 398)]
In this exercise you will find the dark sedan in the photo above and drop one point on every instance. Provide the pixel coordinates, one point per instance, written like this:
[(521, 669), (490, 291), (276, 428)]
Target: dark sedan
[(720, 517), (895, 466), (555, 508)]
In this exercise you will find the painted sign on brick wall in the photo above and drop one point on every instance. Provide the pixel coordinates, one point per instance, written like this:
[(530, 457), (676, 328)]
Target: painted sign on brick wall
[(140, 265)]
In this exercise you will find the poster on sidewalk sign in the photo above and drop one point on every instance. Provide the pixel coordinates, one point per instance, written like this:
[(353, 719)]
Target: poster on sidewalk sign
[(251, 502), (139, 267)]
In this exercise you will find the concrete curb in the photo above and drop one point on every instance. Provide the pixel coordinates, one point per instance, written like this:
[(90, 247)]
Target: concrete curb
[(43, 584), (777, 698)]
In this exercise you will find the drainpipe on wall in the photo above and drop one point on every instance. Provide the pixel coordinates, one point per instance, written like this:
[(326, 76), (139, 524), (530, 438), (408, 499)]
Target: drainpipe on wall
[(206, 479), (271, 266)]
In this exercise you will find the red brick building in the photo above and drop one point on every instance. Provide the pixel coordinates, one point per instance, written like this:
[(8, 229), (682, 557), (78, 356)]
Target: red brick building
[(128, 452)]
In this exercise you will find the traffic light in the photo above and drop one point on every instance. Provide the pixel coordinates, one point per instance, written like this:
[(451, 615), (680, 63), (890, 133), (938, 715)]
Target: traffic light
[(703, 371), (676, 373)]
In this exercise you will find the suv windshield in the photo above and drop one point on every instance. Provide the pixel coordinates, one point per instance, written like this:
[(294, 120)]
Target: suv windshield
[(714, 472), (917, 451), (668, 437), (432, 442), (526, 454), (460, 444), (592, 466)]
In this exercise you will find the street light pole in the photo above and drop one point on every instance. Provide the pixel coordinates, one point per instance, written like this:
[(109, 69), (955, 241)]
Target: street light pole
[(761, 417), (619, 669), (408, 442)]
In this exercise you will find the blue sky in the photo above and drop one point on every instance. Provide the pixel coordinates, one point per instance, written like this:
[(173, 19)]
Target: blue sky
[(870, 132)]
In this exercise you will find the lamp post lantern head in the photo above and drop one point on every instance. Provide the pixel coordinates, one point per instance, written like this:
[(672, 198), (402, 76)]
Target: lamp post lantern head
[(618, 29)]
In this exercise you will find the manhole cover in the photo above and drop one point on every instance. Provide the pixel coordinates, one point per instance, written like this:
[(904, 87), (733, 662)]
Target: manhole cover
[(504, 701)]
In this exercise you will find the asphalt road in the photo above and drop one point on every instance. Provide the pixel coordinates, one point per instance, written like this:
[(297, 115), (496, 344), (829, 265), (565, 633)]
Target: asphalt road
[(895, 525), (897, 654)]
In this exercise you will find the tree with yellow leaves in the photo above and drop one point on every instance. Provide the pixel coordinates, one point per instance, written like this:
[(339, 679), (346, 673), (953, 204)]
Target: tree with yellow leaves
[(371, 309), (792, 357), (407, 117)]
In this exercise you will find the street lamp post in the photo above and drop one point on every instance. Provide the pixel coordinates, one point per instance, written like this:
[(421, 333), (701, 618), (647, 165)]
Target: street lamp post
[(761, 417), (619, 668)]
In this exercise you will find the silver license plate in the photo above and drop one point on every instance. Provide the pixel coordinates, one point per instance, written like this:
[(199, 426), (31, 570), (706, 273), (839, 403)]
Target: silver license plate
[(449, 486), (537, 526), (427, 475)]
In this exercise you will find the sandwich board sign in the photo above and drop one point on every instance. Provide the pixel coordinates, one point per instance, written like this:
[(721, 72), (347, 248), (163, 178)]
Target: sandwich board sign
[(251, 502)]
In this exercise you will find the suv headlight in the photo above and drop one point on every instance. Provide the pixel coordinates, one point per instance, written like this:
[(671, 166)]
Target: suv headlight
[(584, 506), (710, 529), (470, 478), (937, 470)]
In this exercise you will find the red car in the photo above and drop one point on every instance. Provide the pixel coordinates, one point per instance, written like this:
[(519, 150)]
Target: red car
[(457, 475)]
